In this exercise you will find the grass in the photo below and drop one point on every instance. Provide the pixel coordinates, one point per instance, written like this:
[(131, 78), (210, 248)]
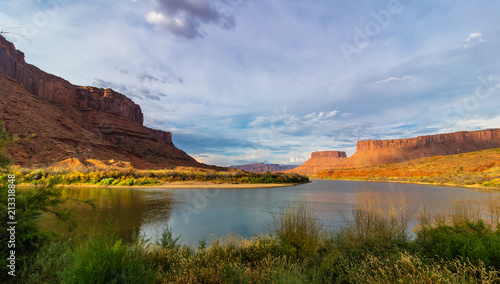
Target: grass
[(478, 169), (456, 246), (297, 230), (374, 229)]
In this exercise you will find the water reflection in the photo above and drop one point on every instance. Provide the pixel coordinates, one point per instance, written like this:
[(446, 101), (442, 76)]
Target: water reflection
[(127, 209), (196, 213)]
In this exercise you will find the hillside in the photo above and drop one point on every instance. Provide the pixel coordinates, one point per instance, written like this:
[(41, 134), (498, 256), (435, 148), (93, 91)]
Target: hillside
[(479, 168), (320, 160), (262, 168), (61, 121)]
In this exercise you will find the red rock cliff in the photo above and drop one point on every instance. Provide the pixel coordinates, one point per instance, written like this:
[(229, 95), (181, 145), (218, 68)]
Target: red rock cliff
[(164, 136), (328, 154), (58, 90), (319, 161), (72, 122), (373, 152)]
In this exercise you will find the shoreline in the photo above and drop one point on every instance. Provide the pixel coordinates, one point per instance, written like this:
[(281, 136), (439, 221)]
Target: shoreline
[(480, 187), (180, 185)]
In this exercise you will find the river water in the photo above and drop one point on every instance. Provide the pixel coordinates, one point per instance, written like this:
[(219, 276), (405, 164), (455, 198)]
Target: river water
[(209, 213)]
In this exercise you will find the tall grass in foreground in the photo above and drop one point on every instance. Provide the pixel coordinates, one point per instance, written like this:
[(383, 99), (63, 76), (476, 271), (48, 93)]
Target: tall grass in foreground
[(297, 230), (373, 228), (449, 247)]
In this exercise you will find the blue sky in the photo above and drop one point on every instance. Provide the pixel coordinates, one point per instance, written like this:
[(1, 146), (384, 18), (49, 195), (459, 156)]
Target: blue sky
[(242, 81)]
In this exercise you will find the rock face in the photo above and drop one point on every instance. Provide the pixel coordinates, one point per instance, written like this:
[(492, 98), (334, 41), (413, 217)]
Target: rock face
[(164, 136), (64, 121), (328, 154), (54, 89), (262, 168), (319, 161), (373, 152)]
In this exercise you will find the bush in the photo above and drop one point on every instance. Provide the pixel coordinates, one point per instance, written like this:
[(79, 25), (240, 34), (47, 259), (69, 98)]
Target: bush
[(298, 231), (373, 229), (107, 181), (473, 241), (48, 265), (38, 175), (103, 258)]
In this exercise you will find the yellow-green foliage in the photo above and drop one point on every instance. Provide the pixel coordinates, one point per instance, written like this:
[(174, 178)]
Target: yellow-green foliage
[(373, 228), (298, 231), (131, 177), (404, 267)]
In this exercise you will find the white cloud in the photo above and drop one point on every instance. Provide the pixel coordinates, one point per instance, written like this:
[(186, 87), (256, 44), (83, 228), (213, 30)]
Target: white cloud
[(295, 160), (473, 39), (321, 115), (397, 79), (259, 121)]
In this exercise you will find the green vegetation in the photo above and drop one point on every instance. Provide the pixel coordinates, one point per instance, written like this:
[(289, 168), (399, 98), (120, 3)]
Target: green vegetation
[(24, 208), (478, 169), (375, 247), (131, 177)]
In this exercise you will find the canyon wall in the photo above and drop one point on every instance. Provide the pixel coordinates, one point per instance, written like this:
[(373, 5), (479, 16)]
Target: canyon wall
[(62, 121), (373, 152), (328, 154), (319, 161), (55, 89)]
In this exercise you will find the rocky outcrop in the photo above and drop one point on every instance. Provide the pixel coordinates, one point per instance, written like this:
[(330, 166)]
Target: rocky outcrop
[(319, 161), (373, 152), (328, 154), (164, 136), (110, 101), (262, 168), (60, 121)]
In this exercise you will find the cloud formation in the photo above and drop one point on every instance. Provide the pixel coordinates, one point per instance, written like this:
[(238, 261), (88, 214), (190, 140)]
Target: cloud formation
[(390, 79), (473, 39), (183, 18)]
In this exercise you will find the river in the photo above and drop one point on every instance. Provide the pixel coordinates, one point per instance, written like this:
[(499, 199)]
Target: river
[(207, 213)]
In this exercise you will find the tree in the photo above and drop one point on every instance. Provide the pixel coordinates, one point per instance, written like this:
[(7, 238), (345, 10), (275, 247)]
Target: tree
[(30, 205)]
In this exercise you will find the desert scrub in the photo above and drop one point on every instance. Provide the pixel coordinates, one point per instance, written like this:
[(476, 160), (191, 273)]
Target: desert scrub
[(129, 177), (404, 267), (461, 232), (101, 257), (298, 230), (373, 229), (232, 259)]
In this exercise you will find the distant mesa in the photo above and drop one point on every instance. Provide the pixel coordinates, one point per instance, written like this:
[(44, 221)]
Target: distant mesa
[(262, 168), (68, 125), (375, 152), (319, 161)]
